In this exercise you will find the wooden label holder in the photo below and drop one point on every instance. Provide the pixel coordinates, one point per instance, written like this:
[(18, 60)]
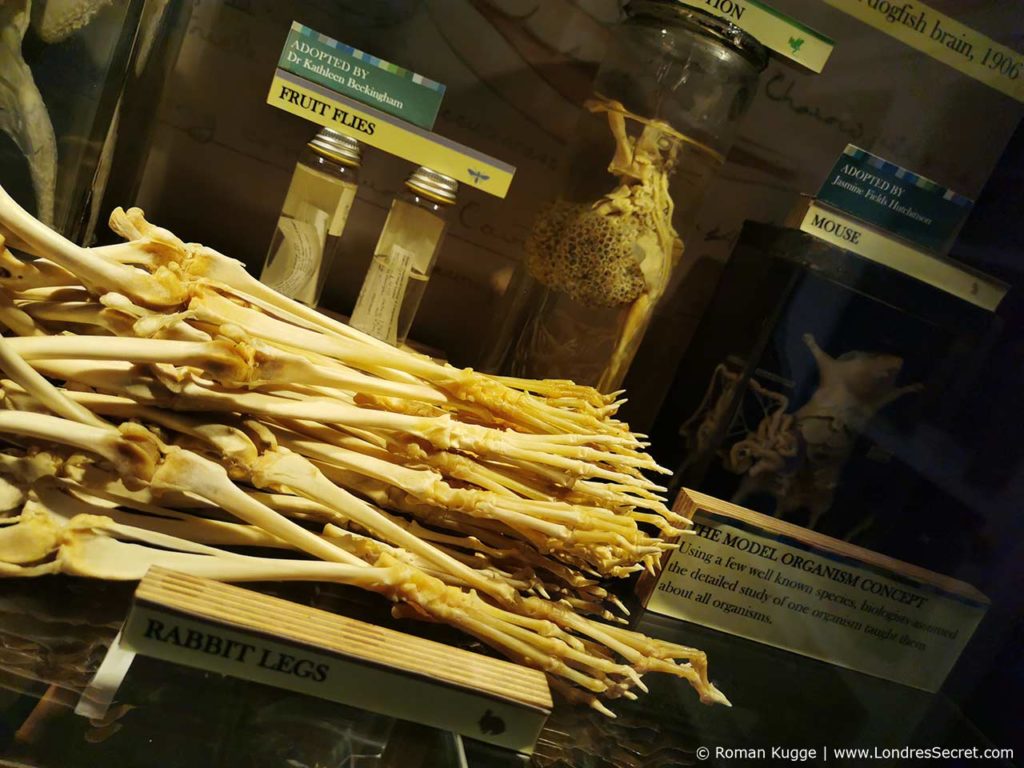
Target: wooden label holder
[(240, 633)]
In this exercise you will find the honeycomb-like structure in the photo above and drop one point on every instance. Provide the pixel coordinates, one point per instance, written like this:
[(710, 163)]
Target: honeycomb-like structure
[(589, 256)]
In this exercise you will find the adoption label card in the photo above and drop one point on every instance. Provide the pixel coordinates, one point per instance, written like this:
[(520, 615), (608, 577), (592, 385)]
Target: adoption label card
[(361, 76), (894, 199), (757, 577), (377, 103)]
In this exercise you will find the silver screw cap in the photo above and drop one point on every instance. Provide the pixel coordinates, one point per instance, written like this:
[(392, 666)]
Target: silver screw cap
[(337, 146), (433, 184)]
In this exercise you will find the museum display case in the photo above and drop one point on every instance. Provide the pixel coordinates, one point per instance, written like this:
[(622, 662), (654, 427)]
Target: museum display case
[(597, 383), (759, 391), (78, 78)]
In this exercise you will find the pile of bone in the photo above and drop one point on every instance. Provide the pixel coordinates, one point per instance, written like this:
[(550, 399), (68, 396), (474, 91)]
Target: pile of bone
[(162, 407)]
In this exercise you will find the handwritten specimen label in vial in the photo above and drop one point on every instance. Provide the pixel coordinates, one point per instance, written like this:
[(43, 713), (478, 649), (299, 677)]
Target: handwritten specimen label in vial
[(297, 259), (312, 220), (381, 298)]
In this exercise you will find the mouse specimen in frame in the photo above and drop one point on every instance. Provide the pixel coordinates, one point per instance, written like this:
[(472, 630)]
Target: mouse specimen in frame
[(795, 457)]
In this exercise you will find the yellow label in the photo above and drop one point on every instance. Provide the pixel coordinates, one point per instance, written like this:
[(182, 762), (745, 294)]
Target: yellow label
[(772, 29), (852, 235), (738, 578), (944, 39), (370, 126)]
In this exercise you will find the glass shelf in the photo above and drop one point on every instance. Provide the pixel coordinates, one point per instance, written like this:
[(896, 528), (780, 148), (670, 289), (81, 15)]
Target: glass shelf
[(54, 633)]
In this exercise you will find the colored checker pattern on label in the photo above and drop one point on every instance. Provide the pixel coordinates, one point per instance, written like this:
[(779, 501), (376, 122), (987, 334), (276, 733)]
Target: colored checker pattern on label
[(369, 58), (894, 199), (908, 176), (361, 76)]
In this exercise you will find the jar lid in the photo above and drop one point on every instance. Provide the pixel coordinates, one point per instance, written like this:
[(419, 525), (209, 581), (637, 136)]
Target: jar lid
[(433, 184), (722, 30), (337, 146)]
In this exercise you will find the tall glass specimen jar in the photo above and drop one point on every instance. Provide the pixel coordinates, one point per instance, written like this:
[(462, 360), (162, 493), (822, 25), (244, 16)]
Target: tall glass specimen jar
[(404, 257), (664, 112), (313, 217)]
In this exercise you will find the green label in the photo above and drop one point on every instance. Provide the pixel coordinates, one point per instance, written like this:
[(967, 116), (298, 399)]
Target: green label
[(776, 31), (894, 199), (361, 76)]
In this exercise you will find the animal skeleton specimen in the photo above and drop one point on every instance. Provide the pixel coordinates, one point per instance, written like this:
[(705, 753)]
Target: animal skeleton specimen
[(852, 389), (718, 420), (162, 404), (618, 251), (23, 114), (56, 20), (798, 458)]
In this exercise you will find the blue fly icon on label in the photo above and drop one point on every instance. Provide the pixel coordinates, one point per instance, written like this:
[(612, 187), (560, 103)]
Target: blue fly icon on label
[(478, 176)]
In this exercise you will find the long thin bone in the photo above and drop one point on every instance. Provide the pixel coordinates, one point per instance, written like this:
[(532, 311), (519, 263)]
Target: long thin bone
[(89, 550), (16, 319), (214, 308), (16, 367), (225, 361), (162, 290), (23, 114)]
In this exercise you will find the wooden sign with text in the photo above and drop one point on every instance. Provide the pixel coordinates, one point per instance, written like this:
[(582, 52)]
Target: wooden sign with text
[(237, 632), (755, 576)]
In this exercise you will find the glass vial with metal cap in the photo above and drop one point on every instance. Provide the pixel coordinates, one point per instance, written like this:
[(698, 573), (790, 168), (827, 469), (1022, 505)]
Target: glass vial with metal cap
[(315, 211), (404, 256)]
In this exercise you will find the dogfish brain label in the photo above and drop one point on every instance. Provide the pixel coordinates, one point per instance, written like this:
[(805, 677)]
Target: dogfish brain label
[(944, 39)]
